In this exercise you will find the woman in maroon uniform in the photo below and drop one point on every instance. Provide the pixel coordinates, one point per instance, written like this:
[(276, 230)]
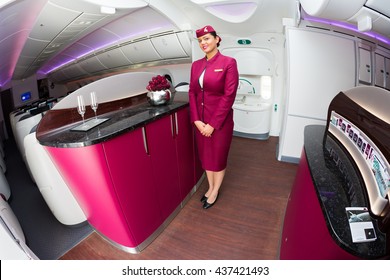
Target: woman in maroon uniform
[(213, 86)]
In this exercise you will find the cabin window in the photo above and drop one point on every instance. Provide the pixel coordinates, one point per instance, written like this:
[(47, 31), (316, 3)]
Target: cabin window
[(266, 87)]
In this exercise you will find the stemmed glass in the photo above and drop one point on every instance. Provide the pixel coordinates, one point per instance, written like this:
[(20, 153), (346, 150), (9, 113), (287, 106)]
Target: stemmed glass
[(81, 106), (94, 103)]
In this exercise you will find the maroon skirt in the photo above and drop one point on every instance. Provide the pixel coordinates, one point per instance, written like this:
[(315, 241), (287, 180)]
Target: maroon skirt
[(213, 151)]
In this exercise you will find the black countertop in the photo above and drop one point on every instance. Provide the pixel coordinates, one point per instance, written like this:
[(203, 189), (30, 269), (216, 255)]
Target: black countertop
[(119, 122), (339, 186)]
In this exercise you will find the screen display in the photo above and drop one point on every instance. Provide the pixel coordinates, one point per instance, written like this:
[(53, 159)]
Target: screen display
[(25, 96), (374, 159)]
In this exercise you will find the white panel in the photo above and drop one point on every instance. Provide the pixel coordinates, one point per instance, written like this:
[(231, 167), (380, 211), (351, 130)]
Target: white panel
[(365, 66), (113, 58), (252, 118), (320, 66), (251, 61), (185, 40), (92, 65), (333, 9), (379, 70), (142, 51), (291, 142), (381, 6), (126, 85), (49, 15), (168, 46)]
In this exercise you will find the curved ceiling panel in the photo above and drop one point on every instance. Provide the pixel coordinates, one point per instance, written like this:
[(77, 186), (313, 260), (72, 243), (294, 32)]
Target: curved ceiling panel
[(140, 52), (168, 46), (113, 59)]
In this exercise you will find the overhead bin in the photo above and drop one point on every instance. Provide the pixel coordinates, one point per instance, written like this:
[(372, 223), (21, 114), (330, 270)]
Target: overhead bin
[(141, 51), (92, 65), (382, 6), (58, 76), (185, 41), (168, 46), (73, 71), (332, 9), (367, 19), (159, 47), (113, 58), (367, 15)]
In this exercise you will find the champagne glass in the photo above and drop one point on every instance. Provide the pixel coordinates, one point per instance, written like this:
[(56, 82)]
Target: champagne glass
[(81, 106), (94, 103)]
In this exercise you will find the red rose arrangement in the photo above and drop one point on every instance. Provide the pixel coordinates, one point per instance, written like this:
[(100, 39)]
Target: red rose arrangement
[(158, 83)]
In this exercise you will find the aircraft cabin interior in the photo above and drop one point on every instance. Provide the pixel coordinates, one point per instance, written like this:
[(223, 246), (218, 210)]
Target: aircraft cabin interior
[(97, 165)]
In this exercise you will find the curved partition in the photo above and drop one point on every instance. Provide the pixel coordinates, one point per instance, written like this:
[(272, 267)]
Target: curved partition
[(110, 88), (50, 183)]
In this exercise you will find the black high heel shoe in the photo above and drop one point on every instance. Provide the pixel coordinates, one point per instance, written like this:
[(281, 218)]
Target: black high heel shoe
[(203, 199), (207, 205)]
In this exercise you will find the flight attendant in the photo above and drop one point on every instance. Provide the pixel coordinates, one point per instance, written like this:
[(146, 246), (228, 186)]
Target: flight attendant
[(213, 87)]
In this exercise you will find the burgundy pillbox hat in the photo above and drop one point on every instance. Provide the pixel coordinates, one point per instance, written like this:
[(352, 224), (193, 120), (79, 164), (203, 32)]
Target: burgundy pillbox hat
[(204, 30)]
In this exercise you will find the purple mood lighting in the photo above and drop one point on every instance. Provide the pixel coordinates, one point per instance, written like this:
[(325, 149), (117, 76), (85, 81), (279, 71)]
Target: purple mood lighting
[(348, 26)]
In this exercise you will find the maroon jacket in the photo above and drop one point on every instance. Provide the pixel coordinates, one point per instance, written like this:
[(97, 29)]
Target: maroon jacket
[(213, 104)]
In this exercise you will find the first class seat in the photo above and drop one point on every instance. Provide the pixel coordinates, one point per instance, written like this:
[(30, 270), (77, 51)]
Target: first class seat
[(50, 183), (5, 190), (12, 240), (23, 127)]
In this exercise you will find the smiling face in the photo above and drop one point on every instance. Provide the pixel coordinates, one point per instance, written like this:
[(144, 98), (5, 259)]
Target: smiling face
[(208, 44)]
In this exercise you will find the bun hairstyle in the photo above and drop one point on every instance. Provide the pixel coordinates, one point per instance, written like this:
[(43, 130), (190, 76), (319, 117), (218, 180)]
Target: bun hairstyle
[(208, 29), (215, 35)]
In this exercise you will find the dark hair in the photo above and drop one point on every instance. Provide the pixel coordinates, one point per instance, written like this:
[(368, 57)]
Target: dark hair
[(214, 34)]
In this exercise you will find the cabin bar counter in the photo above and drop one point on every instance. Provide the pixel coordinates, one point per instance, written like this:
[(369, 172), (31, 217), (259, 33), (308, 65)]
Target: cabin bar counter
[(339, 204), (133, 172)]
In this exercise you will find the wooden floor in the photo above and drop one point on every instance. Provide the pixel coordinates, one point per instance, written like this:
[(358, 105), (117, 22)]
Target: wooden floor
[(245, 223)]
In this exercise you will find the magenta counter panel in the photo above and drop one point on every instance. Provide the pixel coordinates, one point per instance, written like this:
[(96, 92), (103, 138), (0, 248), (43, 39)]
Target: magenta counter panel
[(130, 169), (131, 184), (305, 233), (85, 171)]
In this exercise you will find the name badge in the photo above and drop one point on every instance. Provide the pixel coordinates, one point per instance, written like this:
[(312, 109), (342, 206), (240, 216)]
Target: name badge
[(218, 70)]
